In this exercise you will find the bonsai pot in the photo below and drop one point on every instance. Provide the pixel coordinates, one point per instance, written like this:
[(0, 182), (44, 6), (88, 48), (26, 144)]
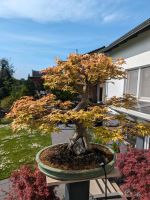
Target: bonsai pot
[(76, 174)]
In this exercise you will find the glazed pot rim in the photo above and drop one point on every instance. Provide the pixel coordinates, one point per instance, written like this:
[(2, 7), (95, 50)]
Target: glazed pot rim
[(39, 162)]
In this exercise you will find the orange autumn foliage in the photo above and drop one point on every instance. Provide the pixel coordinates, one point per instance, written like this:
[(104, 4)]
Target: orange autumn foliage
[(77, 74)]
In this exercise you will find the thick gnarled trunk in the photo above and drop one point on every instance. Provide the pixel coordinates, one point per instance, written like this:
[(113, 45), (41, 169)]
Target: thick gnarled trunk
[(81, 133), (81, 130)]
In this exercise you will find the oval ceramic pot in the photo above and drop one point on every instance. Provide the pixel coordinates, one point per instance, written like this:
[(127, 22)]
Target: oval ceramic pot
[(84, 174)]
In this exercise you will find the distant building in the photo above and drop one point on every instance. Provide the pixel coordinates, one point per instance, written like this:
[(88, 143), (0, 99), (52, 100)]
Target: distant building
[(36, 78)]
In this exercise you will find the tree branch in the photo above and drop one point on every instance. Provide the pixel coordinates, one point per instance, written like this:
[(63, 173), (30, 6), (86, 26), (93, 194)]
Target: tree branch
[(82, 104)]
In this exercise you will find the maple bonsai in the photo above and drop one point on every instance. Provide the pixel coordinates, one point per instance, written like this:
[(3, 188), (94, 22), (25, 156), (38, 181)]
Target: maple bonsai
[(78, 74)]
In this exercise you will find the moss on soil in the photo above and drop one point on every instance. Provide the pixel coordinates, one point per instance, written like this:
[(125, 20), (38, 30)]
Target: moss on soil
[(61, 157)]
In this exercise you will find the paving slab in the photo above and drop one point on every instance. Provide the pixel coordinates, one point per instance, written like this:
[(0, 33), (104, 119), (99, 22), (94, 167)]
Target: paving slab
[(4, 188), (64, 135)]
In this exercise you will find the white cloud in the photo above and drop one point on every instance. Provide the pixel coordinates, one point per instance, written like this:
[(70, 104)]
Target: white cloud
[(58, 10), (47, 10), (112, 17)]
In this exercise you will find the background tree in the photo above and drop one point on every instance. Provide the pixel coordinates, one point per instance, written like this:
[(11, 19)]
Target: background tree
[(6, 77), (12, 89), (77, 75), (6, 69), (17, 89)]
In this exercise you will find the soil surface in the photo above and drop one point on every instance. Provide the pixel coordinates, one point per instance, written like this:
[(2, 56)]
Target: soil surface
[(61, 157)]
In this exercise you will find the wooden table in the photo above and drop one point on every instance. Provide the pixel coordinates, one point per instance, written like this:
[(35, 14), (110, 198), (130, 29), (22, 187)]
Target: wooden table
[(50, 181), (96, 186)]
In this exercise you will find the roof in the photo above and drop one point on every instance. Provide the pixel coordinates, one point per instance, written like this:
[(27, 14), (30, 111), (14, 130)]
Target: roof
[(97, 50), (131, 34)]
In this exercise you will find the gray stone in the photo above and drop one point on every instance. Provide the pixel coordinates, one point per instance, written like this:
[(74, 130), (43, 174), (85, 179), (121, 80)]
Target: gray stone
[(4, 188)]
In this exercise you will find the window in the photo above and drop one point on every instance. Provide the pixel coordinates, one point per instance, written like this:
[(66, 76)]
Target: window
[(138, 83), (132, 79), (145, 83)]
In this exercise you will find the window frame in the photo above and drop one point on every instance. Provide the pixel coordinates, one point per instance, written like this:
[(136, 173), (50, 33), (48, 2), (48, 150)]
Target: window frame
[(138, 92), (140, 86), (128, 83)]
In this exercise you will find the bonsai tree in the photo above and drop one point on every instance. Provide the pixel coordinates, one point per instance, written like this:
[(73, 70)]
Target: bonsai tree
[(78, 74)]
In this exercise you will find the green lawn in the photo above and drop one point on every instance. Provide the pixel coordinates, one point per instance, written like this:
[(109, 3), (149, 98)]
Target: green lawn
[(19, 149)]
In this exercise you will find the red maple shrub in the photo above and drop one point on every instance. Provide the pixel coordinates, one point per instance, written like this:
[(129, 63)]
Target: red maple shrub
[(135, 169), (28, 184)]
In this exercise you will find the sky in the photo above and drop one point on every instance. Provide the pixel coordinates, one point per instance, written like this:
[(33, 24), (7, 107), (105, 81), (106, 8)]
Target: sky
[(34, 33)]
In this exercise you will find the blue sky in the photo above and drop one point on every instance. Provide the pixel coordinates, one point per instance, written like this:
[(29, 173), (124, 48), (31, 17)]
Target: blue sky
[(34, 33)]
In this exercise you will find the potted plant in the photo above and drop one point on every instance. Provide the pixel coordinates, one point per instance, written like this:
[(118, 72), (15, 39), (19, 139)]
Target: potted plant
[(79, 159)]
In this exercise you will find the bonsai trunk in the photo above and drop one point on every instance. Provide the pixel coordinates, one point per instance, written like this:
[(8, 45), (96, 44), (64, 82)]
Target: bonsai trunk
[(81, 130)]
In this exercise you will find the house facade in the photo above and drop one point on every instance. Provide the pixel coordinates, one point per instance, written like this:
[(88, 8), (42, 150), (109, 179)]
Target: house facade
[(135, 50), (134, 47)]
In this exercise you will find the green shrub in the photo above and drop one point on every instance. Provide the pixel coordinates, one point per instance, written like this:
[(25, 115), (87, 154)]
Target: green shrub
[(7, 102), (5, 121)]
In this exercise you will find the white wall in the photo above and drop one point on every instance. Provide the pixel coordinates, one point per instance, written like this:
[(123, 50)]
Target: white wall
[(136, 53), (134, 46), (114, 88)]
